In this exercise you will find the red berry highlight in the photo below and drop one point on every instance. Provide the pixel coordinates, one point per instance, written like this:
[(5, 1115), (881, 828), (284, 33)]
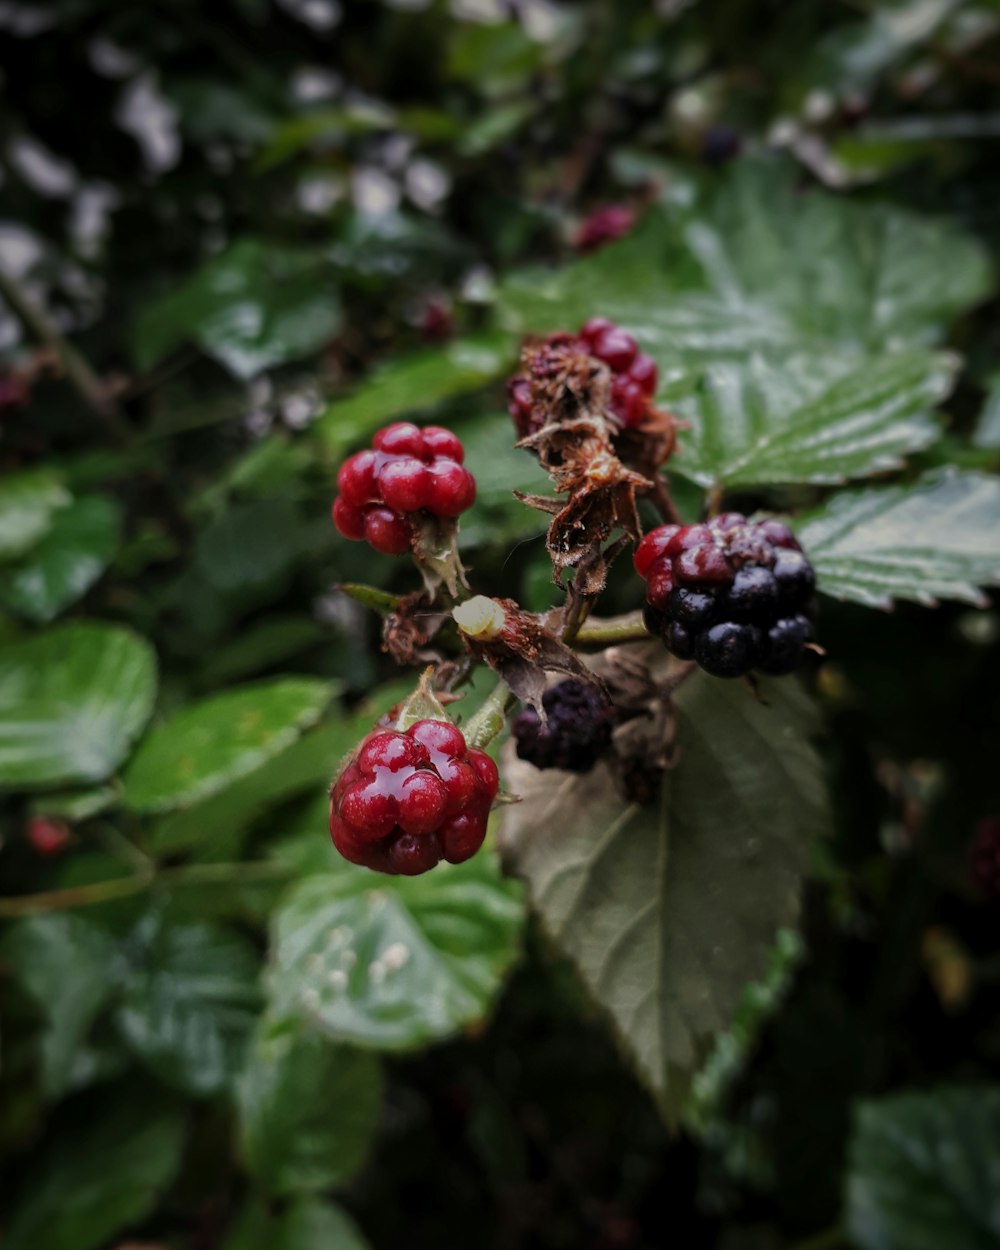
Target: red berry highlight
[(47, 836)]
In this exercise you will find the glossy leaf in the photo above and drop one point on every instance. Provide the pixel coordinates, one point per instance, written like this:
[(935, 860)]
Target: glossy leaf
[(29, 502), (99, 1178), (669, 910), (809, 420), (392, 962), (756, 265), (72, 701), (922, 1171), (308, 1109), (70, 967), (208, 745), (189, 1005), (79, 546), (253, 307), (937, 538), (415, 383)]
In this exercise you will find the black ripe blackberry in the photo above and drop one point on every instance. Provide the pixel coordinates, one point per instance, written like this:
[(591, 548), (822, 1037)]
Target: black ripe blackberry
[(732, 594), (577, 729)]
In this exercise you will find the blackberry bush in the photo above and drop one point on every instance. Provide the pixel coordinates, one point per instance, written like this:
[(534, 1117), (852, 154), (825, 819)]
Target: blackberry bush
[(731, 594)]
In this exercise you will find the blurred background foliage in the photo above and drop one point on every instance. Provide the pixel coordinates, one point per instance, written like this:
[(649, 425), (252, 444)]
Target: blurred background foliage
[(268, 226)]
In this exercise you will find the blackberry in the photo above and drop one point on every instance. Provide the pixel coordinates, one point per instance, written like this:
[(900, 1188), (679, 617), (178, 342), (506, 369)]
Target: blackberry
[(576, 732), (408, 800), (732, 594)]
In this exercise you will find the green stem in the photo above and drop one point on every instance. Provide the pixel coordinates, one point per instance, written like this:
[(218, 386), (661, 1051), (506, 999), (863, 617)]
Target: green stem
[(106, 891), (617, 630), (369, 597), (484, 725), (88, 385)]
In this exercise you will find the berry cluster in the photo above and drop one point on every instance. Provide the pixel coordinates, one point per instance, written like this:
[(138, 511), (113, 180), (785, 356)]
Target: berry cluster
[(576, 731), (986, 857), (731, 594), (406, 471), (408, 800), (633, 381)]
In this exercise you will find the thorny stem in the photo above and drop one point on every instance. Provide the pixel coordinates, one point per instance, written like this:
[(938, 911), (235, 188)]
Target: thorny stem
[(579, 610), (124, 887), (88, 385)]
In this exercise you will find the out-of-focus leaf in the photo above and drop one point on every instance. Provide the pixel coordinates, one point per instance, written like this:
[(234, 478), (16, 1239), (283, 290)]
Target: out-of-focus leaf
[(937, 538), (669, 910), (76, 805), (809, 420), (70, 967), (93, 1181), (308, 1109), (272, 640), (29, 502), (79, 546), (251, 545), (392, 962), (208, 745), (416, 382), (922, 1171), (309, 1224), (72, 701), (255, 306), (189, 1005), (987, 433), (756, 265)]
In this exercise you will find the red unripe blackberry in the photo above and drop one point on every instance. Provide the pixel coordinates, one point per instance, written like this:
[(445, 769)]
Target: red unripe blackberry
[(410, 799), (47, 835), (576, 731), (732, 594), (406, 475), (604, 226), (616, 348)]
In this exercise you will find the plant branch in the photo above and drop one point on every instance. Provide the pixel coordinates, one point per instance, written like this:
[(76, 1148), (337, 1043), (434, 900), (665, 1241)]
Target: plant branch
[(597, 633), (124, 887), (82, 377)]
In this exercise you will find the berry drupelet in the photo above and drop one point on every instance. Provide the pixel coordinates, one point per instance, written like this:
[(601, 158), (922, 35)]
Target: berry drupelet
[(732, 594), (408, 800), (634, 375), (576, 732), (407, 472)]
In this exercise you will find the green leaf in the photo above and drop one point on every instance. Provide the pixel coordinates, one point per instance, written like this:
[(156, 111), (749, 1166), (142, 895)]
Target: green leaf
[(69, 967), (416, 382), (669, 910), (756, 265), (72, 701), (308, 1108), (96, 1180), (937, 538), (79, 546), (29, 502), (253, 307), (391, 962), (208, 745), (810, 420), (190, 1004), (922, 1171), (252, 545), (987, 432), (308, 1225)]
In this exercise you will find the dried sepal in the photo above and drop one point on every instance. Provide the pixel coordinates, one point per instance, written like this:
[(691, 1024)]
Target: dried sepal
[(434, 543)]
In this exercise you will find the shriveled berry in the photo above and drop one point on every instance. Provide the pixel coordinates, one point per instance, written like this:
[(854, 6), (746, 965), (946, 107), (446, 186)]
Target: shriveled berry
[(728, 649), (575, 733), (386, 531)]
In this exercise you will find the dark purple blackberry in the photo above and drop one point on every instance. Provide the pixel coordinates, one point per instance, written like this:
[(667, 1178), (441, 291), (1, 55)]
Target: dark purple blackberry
[(576, 732), (986, 857), (730, 593)]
